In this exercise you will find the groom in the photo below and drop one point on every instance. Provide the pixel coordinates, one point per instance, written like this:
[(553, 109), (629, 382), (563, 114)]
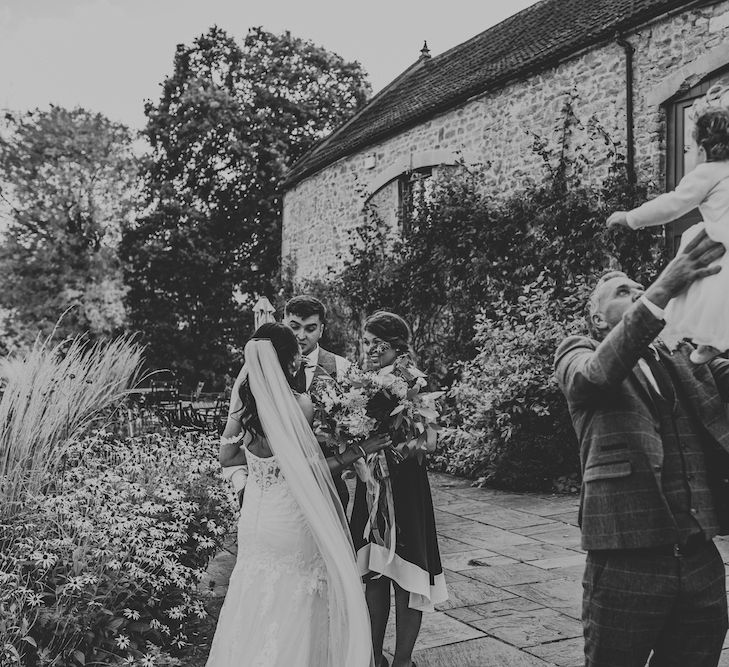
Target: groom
[(307, 316)]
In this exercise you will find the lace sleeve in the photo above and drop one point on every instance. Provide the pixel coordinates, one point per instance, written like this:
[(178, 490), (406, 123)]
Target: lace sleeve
[(237, 476), (233, 440)]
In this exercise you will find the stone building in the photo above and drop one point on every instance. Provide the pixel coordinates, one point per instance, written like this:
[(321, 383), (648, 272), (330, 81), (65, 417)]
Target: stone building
[(634, 68)]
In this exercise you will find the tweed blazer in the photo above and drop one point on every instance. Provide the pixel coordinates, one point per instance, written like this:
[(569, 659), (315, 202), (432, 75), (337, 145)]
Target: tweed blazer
[(327, 366), (618, 427)]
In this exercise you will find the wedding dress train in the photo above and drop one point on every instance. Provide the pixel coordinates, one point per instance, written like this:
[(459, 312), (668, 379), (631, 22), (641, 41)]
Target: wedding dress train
[(280, 568)]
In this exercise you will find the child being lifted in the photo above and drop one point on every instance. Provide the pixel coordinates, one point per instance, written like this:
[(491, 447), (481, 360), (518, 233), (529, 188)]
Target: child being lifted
[(701, 313)]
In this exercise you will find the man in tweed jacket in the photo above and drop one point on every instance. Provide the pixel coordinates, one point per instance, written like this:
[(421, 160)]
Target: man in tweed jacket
[(654, 448), (307, 317)]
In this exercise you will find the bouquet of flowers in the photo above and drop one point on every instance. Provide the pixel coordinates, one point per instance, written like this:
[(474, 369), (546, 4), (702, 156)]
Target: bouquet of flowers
[(391, 401)]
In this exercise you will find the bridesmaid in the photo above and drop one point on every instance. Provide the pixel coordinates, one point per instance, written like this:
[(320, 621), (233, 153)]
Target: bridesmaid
[(415, 572)]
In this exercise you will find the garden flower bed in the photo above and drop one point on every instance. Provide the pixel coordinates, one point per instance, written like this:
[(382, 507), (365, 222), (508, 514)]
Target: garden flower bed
[(102, 567)]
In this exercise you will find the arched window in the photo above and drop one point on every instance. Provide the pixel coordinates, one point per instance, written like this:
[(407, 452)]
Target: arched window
[(414, 190), (679, 128), (400, 191)]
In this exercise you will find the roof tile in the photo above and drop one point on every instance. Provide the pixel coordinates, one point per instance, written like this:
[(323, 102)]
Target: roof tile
[(523, 43)]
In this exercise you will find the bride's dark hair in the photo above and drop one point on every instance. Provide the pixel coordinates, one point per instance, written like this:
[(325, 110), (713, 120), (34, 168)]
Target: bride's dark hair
[(284, 342)]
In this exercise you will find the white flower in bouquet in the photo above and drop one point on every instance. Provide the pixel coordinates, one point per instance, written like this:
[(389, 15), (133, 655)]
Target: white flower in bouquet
[(355, 401), (358, 424), (382, 380), (399, 389), (328, 397)]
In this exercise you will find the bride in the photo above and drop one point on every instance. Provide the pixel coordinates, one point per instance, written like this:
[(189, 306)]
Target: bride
[(294, 597)]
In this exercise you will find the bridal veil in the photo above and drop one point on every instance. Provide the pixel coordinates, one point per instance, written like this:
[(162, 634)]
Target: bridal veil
[(306, 472)]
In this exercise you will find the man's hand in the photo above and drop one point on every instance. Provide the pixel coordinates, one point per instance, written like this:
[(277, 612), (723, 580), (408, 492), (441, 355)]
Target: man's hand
[(691, 264), (618, 219)]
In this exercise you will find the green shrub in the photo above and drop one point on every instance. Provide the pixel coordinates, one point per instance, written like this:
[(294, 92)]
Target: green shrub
[(509, 422)]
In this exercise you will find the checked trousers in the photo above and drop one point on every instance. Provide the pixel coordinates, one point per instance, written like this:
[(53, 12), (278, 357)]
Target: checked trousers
[(637, 601)]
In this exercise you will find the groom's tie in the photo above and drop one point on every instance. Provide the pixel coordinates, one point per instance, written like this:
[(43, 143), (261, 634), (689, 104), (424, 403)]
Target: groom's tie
[(660, 374), (300, 377)]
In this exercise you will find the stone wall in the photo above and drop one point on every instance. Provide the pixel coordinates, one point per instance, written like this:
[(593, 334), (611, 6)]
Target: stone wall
[(672, 53)]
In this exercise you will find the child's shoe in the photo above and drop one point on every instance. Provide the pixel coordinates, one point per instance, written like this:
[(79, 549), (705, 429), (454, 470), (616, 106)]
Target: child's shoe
[(703, 354)]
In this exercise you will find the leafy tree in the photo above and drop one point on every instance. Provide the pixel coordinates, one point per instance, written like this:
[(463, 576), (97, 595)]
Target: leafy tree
[(230, 121), (68, 186)]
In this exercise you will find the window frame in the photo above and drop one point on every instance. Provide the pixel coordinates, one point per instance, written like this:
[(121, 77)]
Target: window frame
[(405, 195)]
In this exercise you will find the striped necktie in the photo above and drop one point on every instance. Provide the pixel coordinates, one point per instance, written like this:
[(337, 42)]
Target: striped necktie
[(660, 374)]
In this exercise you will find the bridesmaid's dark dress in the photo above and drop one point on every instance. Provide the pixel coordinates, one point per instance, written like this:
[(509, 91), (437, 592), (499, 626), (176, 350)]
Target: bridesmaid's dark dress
[(416, 566)]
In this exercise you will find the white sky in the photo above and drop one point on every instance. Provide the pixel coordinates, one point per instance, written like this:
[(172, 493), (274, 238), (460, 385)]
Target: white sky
[(111, 55)]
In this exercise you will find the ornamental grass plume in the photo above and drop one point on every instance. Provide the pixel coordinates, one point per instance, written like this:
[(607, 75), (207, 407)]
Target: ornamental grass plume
[(51, 395)]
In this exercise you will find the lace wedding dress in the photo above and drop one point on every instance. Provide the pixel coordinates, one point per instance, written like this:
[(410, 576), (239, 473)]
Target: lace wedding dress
[(295, 597), (276, 611)]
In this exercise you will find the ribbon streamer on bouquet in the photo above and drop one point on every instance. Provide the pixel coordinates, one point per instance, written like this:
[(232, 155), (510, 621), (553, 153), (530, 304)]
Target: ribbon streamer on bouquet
[(375, 482)]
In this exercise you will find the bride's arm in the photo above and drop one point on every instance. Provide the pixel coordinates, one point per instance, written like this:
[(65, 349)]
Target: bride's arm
[(232, 456), (232, 452)]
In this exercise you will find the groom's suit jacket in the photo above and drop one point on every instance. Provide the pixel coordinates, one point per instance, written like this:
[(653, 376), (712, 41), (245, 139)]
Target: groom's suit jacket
[(327, 365), (619, 426)]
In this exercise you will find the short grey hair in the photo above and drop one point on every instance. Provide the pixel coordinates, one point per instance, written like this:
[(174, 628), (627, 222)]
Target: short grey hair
[(593, 303)]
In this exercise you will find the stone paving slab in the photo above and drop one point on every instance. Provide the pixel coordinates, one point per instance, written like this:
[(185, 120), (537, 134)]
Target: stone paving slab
[(505, 607), (513, 566), (450, 546), (534, 551), (502, 517), (564, 595), (530, 628), (570, 517), (567, 653), (470, 591), (485, 652), (509, 575), (561, 534), (483, 536), (438, 629), (466, 560)]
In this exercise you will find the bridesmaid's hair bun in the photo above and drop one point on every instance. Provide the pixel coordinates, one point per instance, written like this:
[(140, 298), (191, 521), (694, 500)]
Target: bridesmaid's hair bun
[(391, 328)]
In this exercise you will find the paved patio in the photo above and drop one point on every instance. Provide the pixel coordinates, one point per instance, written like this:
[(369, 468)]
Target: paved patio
[(513, 564)]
